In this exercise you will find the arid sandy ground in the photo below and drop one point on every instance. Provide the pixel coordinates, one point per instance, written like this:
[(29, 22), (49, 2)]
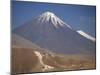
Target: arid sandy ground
[(25, 60)]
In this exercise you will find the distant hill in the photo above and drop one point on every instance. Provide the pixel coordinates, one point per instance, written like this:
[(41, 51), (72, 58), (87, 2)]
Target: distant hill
[(18, 41)]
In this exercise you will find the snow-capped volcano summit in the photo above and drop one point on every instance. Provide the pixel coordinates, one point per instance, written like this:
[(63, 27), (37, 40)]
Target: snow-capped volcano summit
[(50, 32), (48, 14), (51, 17)]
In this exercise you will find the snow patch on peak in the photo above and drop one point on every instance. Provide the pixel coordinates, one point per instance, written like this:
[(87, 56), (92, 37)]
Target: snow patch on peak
[(49, 13), (48, 17), (86, 35)]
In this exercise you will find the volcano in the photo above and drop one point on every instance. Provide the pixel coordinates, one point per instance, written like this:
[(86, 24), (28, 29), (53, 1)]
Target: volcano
[(49, 32)]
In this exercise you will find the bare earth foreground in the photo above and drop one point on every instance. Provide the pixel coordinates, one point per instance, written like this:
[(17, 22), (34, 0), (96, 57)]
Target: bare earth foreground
[(26, 60)]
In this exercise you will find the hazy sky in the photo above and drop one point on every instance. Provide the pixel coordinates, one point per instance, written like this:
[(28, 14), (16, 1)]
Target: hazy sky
[(79, 17)]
